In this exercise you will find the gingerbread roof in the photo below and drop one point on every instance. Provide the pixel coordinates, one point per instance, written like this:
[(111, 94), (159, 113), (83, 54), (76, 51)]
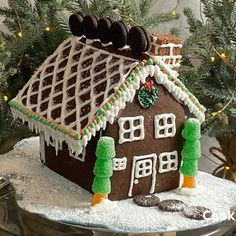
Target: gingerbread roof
[(80, 88)]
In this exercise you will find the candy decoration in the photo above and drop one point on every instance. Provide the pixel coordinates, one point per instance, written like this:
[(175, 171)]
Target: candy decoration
[(90, 26), (191, 152), (118, 34), (103, 169), (148, 94), (139, 39), (104, 25), (76, 23)]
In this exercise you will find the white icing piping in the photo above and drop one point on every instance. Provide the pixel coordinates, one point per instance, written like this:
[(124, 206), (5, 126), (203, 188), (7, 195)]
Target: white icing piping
[(134, 176), (119, 163), (131, 130), (171, 59), (170, 163), (74, 146), (167, 129)]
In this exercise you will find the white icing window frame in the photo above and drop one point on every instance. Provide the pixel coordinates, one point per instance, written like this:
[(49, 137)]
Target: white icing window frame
[(133, 180), (165, 126), (132, 128), (119, 163), (168, 162), (141, 166)]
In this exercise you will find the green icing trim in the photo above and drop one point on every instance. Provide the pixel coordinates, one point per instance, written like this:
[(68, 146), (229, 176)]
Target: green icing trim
[(40, 119)]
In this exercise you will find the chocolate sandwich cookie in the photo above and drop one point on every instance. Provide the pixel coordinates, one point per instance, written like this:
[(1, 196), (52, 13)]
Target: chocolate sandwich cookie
[(118, 34), (197, 212), (76, 23), (139, 39), (90, 26), (104, 25), (172, 205), (146, 200)]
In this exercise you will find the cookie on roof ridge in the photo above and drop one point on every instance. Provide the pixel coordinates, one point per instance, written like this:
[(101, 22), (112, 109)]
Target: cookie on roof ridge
[(76, 23), (90, 26), (104, 25), (139, 39), (118, 34)]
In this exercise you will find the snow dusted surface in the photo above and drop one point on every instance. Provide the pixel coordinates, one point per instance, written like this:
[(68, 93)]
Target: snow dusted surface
[(42, 191)]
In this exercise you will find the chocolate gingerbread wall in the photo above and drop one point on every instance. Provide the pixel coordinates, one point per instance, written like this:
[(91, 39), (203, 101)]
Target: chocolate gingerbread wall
[(81, 172)]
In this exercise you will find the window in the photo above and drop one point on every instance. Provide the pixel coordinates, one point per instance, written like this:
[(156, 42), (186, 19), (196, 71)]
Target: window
[(131, 129), (168, 161), (119, 163), (143, 168), (165, 125)]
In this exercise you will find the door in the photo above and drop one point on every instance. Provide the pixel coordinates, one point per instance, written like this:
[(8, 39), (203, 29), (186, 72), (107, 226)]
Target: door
[(143, 167)]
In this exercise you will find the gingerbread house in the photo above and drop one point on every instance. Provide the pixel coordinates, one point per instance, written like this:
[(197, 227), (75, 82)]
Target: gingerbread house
[(86, 90)]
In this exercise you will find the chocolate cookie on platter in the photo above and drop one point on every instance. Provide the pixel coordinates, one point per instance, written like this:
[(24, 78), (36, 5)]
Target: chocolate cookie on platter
[(90, 26), (197, 212), (171, 205), (76, 23), (146, 200), (104, 25), (139, 39), (118, 34)]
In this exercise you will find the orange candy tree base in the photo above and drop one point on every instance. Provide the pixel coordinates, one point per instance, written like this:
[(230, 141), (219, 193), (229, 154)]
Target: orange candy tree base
[(189, 182), (97, 198)]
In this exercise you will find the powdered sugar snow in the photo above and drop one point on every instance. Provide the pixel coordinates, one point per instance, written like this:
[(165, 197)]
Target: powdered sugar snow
[(42, 191)]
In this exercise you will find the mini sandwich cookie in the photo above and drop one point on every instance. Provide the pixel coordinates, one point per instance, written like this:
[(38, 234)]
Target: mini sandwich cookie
[(118, 34), (76, 23), (90, 26), (139, 39), (104, 25)]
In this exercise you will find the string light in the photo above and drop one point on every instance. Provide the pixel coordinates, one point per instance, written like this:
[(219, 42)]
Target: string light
[(5, 98), (20, 34), (2, 45), (173, 12), (214, 114), (47, 28), (227, 167), (213, 58), (224, 58), (223, 55)]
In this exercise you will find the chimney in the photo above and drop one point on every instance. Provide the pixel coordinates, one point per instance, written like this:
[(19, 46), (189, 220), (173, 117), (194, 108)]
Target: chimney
[(167, 47)]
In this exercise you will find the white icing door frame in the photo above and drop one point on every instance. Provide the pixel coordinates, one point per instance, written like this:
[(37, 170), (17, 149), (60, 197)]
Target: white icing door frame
[(150, 159)]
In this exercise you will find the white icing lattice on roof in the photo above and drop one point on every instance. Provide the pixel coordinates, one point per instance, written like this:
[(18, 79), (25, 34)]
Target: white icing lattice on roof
[(72, 83)]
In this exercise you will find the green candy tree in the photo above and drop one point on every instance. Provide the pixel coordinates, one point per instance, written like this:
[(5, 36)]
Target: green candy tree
[(103, 169), (191, 152)]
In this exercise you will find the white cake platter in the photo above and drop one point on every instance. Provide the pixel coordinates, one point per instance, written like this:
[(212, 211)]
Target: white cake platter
[(39, 190)]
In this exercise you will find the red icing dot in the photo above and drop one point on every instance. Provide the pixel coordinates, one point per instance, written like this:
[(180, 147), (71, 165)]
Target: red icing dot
[(82, 132), (127, 82), (89, 128)]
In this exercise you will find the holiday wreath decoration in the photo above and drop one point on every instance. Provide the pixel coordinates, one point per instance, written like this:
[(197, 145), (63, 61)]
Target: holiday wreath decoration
[(148, 94)]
